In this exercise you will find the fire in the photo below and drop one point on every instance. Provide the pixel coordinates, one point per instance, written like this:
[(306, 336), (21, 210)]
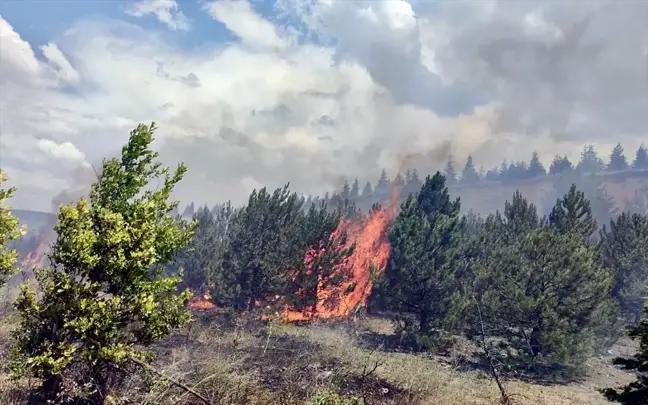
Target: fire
[(372, 250), (201, 303), (37, 256)]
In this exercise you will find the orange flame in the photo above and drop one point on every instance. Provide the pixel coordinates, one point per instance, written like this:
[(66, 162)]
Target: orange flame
[(37, 256), (371, 250), (201, 303)]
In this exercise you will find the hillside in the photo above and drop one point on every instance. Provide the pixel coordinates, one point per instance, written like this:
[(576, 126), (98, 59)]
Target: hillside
[(34, 220)]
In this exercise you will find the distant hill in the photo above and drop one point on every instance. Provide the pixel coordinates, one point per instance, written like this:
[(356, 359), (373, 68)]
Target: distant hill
[(35, 220)]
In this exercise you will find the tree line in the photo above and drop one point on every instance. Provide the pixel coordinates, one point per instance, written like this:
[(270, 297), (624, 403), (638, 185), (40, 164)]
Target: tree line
[(364, 196), (545, 291)]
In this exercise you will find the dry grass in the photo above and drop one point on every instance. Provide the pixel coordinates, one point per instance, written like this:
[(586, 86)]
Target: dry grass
[(278, 363)]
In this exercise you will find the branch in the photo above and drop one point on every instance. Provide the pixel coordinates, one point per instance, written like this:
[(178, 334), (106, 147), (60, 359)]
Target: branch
[(175, 382), (505, 399)]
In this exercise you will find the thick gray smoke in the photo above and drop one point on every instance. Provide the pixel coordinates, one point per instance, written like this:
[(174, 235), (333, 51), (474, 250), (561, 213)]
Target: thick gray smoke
[(321, 91)]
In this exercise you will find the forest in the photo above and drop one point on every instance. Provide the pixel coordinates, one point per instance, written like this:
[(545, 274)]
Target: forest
[(538, 293)]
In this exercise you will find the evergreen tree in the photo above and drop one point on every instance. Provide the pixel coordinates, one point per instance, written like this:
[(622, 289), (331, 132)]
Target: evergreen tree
[(573, 213), (449, 172), (415, 182), (367, 191), (262, 247), (517, 171), (503, 171), (639, 202), (618, 160), (641, 158), (635, 393), (519, 217), (189, 211), (9, 232), (590, 162), (434, 199), (202, 259), (492, 175), (469, 175), (354, 193), (603, 204), (624, 251), (560, 165), (399, 181), (346, 191), (196, 257), (536, 168), (104, 299), (383, 185), (420, 277), (408, 176), (546, 295), (325, 267)]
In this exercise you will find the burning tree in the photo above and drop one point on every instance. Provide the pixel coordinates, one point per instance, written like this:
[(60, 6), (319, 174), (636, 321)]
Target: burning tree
[(104, 299), (9, 231), (317, 281)]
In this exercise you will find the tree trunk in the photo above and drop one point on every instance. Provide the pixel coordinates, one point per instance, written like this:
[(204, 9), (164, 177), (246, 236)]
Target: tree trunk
[(424, 321)]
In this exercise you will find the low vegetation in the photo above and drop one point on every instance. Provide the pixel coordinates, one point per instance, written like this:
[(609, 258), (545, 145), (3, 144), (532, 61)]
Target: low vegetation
[(412, 305)]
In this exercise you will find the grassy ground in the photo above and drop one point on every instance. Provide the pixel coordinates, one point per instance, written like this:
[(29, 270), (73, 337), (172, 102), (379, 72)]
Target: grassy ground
[(326, 364)]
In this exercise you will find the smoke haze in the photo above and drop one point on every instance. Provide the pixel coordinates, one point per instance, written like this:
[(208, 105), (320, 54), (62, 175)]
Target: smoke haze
[(313, 92)]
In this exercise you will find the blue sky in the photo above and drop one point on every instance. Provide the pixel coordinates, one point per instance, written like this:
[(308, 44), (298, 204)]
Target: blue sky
[(313, 91)]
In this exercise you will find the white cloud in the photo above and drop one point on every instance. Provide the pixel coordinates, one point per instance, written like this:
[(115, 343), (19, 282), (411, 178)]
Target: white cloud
[(16, 55), (166, 12), (368, 94), (252, 29), (63, 68), (65, 151)]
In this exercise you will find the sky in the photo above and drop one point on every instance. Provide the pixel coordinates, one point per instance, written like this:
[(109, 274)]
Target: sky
[(259, 93)]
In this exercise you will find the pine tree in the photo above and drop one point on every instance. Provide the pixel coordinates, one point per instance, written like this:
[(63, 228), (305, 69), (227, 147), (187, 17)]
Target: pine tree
[(560, 165), (354, 193), (573, 213), (367, 191), (9, 232), (420, 277), (635, 393), (590, 162), (189, 211), (262, 247), (450, 173), (639, 202), (603, 204), (469, 175), (434, 199), (618, 160), (346, 191), (517, 171), (399, 181), (641, 158), (536, 168), (624, 251), (202, 259), (547, 296), (324, 269), (415, 182), (196, 257), (503, 170), (104, 299), (492, 175), (383, 185), (519, 217)]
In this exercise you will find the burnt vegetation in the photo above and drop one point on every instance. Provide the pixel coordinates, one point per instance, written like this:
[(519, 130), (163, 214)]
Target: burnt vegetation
[(377, 273)]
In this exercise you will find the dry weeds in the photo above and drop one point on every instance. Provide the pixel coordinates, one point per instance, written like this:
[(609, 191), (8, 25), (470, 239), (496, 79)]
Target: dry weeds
[(278, 363)]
